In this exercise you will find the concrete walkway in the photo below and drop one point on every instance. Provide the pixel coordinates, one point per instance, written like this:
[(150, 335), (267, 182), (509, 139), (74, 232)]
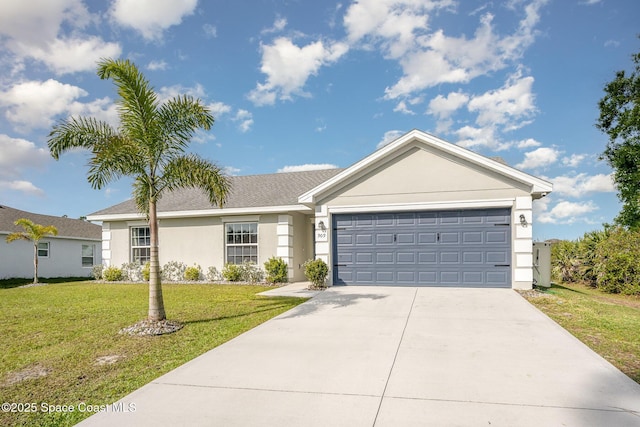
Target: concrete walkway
[(384, 356)]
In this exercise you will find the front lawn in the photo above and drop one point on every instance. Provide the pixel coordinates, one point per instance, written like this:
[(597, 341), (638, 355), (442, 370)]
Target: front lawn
[(60, 343), (608, 324)]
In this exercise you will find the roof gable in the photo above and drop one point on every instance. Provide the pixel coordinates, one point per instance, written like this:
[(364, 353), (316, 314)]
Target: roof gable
[(535, 186), (67, 227)]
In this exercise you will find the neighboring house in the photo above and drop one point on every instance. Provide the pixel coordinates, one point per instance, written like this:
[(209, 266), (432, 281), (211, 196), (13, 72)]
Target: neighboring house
[(419, 210), (72, 253)]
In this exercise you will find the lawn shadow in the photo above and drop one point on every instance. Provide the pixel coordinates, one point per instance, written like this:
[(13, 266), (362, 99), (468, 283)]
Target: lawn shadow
[(276, 303), (331, 299)]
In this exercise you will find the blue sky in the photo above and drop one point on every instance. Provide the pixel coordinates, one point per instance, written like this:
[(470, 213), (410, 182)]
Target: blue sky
[(306, 84)]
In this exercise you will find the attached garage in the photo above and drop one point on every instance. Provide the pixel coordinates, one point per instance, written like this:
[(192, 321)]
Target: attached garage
[(470, 248), (422, 211)]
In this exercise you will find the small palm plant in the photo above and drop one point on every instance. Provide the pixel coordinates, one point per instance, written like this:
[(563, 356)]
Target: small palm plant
[(33, 233)]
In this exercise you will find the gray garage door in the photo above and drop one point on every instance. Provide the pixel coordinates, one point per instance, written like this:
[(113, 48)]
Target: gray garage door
[(437, 248)]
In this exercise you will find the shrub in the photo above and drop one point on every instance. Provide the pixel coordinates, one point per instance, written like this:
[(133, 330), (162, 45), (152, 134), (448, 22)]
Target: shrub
[(146, 271), (277, 270), (231, 273), (96, 271), (193, 273), (131, 271), (250, 272), (565, 262), (617, 262), (213, 275), (112, 274), (173, 271), (316, 272)]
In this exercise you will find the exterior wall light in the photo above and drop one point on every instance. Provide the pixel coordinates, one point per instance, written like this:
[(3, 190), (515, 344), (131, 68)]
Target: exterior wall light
[(321, 226), (523, 220)]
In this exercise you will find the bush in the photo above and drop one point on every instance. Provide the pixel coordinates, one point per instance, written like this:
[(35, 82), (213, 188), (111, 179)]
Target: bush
[(316, 272), (131, 271), (250, 272), (193, 273), (617, 262), (146, 272), (112, 274), (565, 261), (231, 273), (213, 275), (277, 270), (173, 271), (96, 271)]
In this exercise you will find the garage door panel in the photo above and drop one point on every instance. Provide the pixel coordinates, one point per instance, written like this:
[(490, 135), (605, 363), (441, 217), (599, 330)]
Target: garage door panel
[(405, 239), (438, 248), (406, 258), (497, 236), (364, 239)]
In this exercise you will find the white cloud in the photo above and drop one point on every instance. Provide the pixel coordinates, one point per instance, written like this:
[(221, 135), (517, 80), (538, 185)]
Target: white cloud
[(528, 143), (563, 212), (245, 118), (400, 29), (167, 92), (574, 160), (157, 65), (151, 17), (16, 154), (231, 171), (33, 30), (402, 108), (470, 136), (33, 104), (306, 167), (288, 67), (581, 184), (507, 105), (210, 31), (442, 107), (218, 108), (278, 25), (21, 186), (389, 136), (70, 55), (539, 158)]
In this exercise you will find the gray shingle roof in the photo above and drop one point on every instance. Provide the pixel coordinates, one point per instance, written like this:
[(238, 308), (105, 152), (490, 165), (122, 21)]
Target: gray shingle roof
[(252, 191), (67, 227)]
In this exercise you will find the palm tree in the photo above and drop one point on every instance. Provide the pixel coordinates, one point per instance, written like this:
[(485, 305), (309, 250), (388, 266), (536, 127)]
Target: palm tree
[(33, 233), (149, 146)]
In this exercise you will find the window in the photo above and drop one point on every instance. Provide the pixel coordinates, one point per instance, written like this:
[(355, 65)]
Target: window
[(242, 242), (43, 249), (87, 255), (140, 244)]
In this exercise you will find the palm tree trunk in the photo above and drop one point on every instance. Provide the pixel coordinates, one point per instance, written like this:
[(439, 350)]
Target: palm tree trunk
[(35, 262), (156, 302)]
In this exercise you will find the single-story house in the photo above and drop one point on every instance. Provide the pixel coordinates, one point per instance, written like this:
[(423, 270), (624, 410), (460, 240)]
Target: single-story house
[(419, 210), (72, 253)]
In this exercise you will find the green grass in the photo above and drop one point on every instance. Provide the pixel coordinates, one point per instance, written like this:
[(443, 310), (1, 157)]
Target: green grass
[(608, 324), (63, 329)]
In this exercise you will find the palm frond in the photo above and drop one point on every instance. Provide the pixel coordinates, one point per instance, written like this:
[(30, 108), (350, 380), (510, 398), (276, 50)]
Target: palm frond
[(192, 171), (78, 132)]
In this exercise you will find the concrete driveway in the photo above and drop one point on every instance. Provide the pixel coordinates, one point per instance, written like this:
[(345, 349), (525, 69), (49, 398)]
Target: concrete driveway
[(386, 356)]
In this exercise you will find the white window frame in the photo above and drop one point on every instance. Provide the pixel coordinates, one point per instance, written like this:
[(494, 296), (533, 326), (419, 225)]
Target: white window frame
[(46, 248), (134, 244), (238, 233), (93, 256)]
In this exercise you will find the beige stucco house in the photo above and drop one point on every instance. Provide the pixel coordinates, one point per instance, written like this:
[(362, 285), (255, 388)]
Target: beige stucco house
[(419, 210), (72, 253)]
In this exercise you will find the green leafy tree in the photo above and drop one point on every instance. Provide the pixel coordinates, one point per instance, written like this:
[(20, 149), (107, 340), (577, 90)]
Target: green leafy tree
[(149, 146), (33, 233), (620, 120)]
